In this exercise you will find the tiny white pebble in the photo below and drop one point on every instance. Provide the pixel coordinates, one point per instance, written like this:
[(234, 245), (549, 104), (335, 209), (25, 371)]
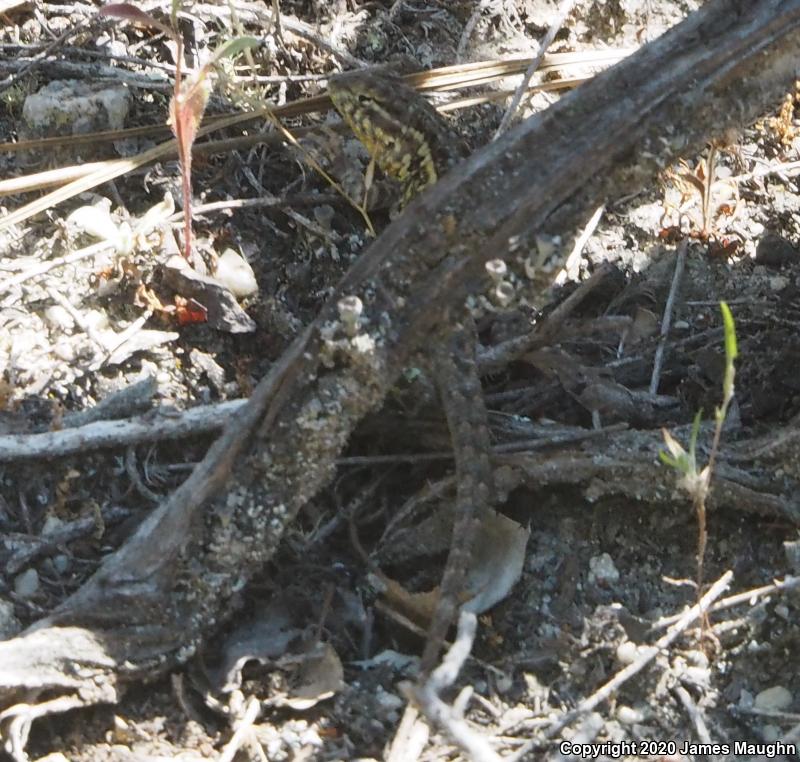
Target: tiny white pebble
[(627, 715), (58, 317), (235, 273), (627, 652)]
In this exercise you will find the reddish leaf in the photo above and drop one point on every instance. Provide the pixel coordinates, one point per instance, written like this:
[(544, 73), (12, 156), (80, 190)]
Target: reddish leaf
[(128, 12), (189, 311)]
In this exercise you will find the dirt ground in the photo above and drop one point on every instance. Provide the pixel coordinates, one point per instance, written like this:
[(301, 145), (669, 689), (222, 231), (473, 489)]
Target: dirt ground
[(612, 538)]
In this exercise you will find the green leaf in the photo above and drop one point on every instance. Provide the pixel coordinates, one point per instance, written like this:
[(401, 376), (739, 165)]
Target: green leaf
[(233, 47), (698, 417), (731, 353), (731, 350)]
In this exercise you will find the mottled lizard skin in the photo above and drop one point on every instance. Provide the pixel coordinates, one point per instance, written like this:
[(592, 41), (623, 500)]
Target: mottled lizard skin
[(411, 142), (405, 135)]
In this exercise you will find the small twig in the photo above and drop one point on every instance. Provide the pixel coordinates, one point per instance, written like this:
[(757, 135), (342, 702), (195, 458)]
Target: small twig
[(120, 339), (135, 477), (616, 682), (695, 715), (267, 200), (20, 717), (137, 398), (666, 321), (79, 319), (410, 739), (748, 596), (771, 713), (288, 24), (571, 264), (88, 70), (35, 547), (119, 433), (563, 11), (787, 169), (394, 459), (40, 269), (528, 445), (440, 714), (243, 728), (41, 58)]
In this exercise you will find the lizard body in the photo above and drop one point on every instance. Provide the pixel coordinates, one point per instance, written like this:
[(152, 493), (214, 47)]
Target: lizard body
[(405, 135), (411, 142)]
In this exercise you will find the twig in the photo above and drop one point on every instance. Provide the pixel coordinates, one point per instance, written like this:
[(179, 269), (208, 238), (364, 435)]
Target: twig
[(20, 717), (98, 339), (135, 477), (93, 71), (34, 547), (666, 320), (72, 31), (748, 596), (771, 713), (440, 714), (616, 682), (243, 728), (563, 11), (574, 257), (410, 738), (119, 433), (695, 715), (40, 269)]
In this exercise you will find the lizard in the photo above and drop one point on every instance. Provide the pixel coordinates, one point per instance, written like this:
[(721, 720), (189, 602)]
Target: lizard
[(411, 142)]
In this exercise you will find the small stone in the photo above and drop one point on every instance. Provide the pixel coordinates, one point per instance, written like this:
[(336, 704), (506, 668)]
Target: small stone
[(94, 221), (73, 107), (59, 317), (774, 699), (97, 319), (697, 659), (497, 269), (64, 350), (745, 699), (26, 584), (697, 676), (235, 273), (627, 715), (324, 215), (627, 652), (602, 571), (9, 624), (52, 524), (774, 250), (61, 563), (778, 282), (389, 701), (503, 683), (503, 294)]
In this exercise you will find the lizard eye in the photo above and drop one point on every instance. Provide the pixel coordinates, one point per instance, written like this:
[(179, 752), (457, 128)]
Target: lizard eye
[(363, 98)]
